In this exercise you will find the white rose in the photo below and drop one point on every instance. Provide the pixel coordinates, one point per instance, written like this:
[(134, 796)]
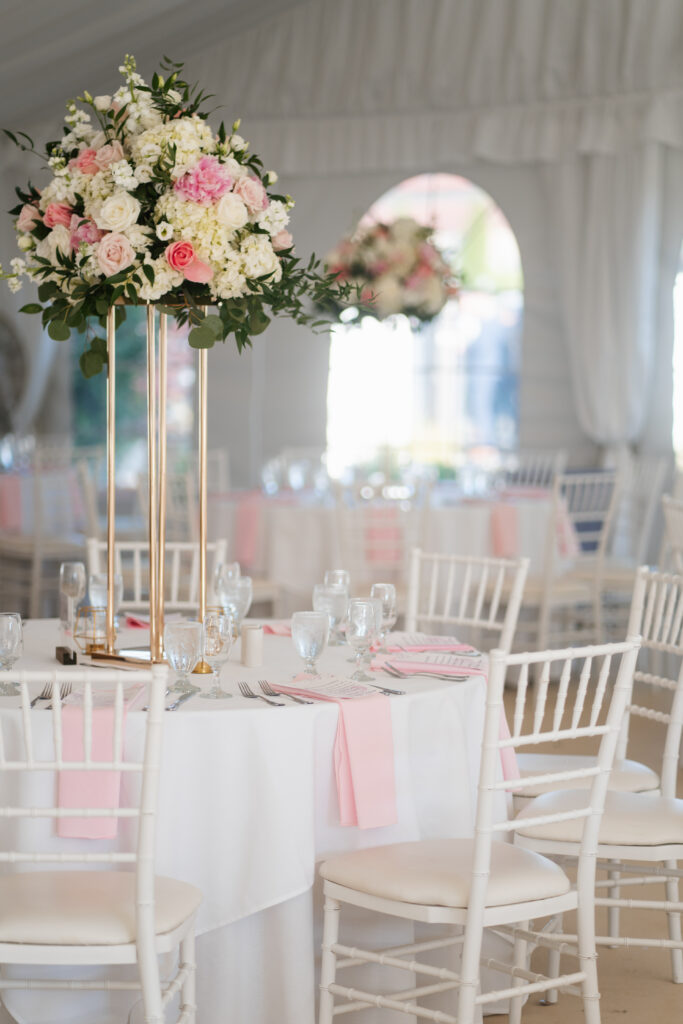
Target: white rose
[(25, 242), (231, 211), (404, 229), (59, 238), (388, 295), (102, 102), (431, 295), (118, 212)]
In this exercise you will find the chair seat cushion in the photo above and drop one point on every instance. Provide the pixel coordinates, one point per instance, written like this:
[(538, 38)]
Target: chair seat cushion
[(630, 819), (85, 908), (626, 777), (436, 872)]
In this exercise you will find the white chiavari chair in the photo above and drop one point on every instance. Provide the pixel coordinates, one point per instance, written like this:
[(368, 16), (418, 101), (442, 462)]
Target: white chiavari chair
[(480, 595), (114, 911), (131, 559), (671, 554), (641, 834), (535, 469), (481, 883)]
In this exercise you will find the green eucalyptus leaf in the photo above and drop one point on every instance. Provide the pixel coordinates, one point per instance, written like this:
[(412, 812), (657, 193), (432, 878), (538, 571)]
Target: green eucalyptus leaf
[(201, 337), (58, 331), (31, 307), (214, 324)]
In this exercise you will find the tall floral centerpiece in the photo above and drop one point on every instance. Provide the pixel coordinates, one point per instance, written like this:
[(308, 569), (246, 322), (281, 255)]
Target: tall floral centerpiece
[(147, 205), (395, 268)]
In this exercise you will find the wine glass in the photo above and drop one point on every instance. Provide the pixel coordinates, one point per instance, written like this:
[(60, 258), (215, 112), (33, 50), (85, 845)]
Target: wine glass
[(97, 590), (309, 636), (217, 643), (333, 600), (235, 597), (386, 593), (10, 648), (361, 630), (222, 574), (337, 578), (183, 649), (72, 587)]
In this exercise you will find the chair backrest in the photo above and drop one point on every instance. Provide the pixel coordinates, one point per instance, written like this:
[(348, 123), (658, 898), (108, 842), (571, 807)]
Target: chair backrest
[(375, 539), (535, 469), (582, 705), (657, 615), (640, 496), (182, 504), (131, 559), (584, 503), (482, 594), (671, 554)]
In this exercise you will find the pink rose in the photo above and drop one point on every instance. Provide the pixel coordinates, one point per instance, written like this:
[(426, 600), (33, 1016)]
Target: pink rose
[(252, 194), (109, 154), (205, 183), (114, 253), (282, 240), (181, 257), (83, 229), (86, 162), (29, 216), (57, 213)]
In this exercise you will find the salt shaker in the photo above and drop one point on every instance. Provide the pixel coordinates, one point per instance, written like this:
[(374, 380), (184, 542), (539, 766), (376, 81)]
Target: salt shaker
[(252, 645)]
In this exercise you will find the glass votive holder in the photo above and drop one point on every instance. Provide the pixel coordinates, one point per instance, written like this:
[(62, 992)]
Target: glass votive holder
[(90, 632)]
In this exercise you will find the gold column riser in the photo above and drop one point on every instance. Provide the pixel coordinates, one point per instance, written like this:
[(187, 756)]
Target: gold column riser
[(163, 387), (111, 474), (202, 667), (153, 484)]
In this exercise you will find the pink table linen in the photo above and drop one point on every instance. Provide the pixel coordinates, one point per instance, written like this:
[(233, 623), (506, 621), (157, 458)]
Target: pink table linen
[(10, 503), (504, 531), (363, 757)]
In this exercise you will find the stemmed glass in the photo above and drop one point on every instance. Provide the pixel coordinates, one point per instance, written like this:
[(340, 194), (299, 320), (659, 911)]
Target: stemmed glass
[(10, 648), (235, 596), (309, 636), (337, 578), (217, 644), (333, 600), (183, 649), (361, 630), (72, 587), (223, 574), (386, 593), (97, 590)]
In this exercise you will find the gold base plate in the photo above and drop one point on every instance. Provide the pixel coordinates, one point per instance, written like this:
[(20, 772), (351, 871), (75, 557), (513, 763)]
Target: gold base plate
[(129, 656), (201, 669)]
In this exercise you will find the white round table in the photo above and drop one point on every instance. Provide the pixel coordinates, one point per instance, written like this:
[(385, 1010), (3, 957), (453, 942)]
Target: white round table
[(248, 806)]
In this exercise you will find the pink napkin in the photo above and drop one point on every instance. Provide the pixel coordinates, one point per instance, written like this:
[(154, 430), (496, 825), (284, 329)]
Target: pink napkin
[(278, 627), (135, 622), (424, 648), (10, 502), (504, 532), (382, 535), (96, 789), (248, 527), (363, 757)]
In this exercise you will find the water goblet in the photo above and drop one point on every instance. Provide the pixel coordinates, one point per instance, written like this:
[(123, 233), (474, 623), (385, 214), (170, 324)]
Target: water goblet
[(333, 600), (386, 592), (11, 637), (183, 649), (361, 630), (72, 588), (235, 597), (222, 574), (309, 636), (337, 578), (97, 590), (218, 629)]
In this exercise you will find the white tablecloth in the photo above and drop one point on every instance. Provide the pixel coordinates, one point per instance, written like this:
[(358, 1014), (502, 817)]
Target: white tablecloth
[(248, 805)]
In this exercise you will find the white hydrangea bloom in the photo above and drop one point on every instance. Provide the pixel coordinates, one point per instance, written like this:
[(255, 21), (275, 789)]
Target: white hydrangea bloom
[(259, 258), (165, 279), (139, 237), (164, 231), (191, 137), (274, 218), (230, 282), (123, 175), (58, 239)]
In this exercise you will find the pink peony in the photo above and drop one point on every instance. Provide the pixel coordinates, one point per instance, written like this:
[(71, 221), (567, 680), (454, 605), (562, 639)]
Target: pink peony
[(29, 216), (114, 253), (282, 240), (86, 162), (57, 213), (252, 193), (205, 183), (181, 257), (83, 229), (109, 154)]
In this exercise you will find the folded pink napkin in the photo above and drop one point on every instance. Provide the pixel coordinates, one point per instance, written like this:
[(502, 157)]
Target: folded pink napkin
[(90, 789), (278, 627), (363, 756), (447, 645), (10, 502), (504, 531), (248, 527), (382, 535), (136, 622)]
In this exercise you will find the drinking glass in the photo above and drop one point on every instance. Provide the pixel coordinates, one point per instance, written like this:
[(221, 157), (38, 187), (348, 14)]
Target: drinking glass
[(386, 592), (361, 631), (222, 574), (97, 590), (235, 596), (217, 643), (183, 649), (333, 600), (72, 587), (309, 636), (337, 578), (10, 648)]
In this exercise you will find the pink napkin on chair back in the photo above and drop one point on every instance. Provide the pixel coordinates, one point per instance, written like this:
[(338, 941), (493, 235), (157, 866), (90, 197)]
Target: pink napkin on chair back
[(504, 531), (10, 502), (382, 535), (90, 789), (248, 527), (363, 756)]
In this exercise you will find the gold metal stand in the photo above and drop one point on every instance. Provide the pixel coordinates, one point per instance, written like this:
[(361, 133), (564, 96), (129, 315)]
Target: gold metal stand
[(202, 667), (111, 478)]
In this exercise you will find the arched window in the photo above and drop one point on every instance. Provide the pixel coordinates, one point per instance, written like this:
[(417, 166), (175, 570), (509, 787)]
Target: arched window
[(427, 395)]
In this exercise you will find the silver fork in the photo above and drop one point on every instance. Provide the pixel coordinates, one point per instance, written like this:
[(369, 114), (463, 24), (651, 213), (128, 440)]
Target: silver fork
[(45, 694), (387, 690), (64, 691), (246, 691), (270, 692)]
